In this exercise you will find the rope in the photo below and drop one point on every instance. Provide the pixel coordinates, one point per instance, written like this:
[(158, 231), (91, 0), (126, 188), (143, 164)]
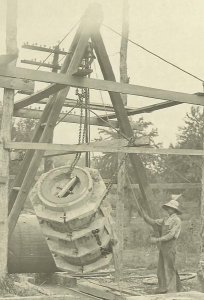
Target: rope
[(154, 54), (68, 113)]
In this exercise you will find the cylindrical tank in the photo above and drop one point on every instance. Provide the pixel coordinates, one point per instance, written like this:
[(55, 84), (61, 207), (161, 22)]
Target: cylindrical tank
[(28, 251)]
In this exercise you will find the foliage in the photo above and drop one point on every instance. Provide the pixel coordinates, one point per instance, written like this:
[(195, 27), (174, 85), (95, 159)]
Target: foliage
[(177, 168), (22, 131), (108, 162)]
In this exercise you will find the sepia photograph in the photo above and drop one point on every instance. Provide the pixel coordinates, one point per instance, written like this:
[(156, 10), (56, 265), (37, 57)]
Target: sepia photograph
[(101, 150)]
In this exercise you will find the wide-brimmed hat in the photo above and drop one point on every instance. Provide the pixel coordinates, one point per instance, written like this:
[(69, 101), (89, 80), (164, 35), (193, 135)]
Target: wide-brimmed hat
[(173, 204)]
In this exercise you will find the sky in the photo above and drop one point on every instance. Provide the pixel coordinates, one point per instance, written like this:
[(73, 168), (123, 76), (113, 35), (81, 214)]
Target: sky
[(171, 28)]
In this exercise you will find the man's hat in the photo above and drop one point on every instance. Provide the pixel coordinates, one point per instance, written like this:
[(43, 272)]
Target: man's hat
[(173, 204)]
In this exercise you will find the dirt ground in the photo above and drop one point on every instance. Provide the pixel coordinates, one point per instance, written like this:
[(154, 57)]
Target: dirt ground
[(138, 276)]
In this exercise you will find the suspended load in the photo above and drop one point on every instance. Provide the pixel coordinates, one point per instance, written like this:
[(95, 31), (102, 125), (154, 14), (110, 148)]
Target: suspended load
[(72, 218)]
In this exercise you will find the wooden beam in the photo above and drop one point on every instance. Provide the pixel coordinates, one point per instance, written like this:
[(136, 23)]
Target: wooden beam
[(123, 120), (36, 114), (143, 110), (17, 84), (93, 105), (45, 49), (166, 186), (121, 192), (109, 108), (5, 135), (104, 85), (52, 89), (104, 147), (39, 63)]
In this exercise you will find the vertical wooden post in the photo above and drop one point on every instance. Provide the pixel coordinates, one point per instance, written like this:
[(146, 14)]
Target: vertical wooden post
[(121, 186), (5, 135), (124, 47), (201, 260)]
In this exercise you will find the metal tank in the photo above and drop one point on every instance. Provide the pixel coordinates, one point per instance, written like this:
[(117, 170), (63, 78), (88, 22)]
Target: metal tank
[(28, 251)]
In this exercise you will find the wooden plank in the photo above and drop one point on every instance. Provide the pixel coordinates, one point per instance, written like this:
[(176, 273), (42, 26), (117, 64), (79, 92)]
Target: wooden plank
[(6, 125), (166, 186), (109, 108), (5, 135), (97, 84), (17, 84), (191, 295), (38, 63), (47, 297), (52, 89), (144, 109), (123, 121), (99, 147), (98, 291), (45, 49), (90, 19), (200, 271), (36, 114), (121, 192)]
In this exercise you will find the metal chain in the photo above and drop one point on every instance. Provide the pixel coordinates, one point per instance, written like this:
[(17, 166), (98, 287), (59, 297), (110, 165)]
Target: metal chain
[(86, 64), (81, 135)]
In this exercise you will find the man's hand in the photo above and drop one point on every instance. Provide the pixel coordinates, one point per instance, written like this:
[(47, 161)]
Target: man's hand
[(114, 242), (153, 240)]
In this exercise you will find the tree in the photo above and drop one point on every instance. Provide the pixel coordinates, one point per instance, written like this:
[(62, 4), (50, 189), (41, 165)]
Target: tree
[(177, 168), (108, 162), (22, 131)]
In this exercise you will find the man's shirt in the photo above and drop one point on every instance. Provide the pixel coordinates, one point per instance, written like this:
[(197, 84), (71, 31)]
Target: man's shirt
[(173, 224)]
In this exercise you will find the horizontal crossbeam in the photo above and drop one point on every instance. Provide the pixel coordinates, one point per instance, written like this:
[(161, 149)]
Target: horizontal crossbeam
[(97, 147), (167, 186), (97, 84), (45, 49), (144, 109), (17, 84), (36, 114), (39, 63)]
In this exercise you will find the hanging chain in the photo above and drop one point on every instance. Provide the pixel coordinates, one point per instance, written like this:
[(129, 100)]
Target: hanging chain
[(81, 136), (82, 96)]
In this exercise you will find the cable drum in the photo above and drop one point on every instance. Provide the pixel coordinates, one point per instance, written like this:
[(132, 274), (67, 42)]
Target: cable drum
[(70, 212)]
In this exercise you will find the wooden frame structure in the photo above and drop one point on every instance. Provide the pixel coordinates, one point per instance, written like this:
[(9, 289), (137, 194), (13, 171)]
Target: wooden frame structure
[(54, 96)]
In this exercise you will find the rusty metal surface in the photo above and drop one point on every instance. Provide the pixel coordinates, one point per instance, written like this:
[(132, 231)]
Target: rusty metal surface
[(68, 207)]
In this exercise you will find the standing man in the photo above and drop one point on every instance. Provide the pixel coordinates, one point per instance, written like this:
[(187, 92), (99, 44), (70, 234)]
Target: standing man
[(168, 278)]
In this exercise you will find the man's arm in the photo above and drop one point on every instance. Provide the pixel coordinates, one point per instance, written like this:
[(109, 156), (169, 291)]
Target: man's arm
[(175, 230), (151, 221)]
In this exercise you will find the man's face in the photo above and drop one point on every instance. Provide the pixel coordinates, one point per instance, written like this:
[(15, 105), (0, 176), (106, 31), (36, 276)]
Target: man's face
[(170, 211)]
